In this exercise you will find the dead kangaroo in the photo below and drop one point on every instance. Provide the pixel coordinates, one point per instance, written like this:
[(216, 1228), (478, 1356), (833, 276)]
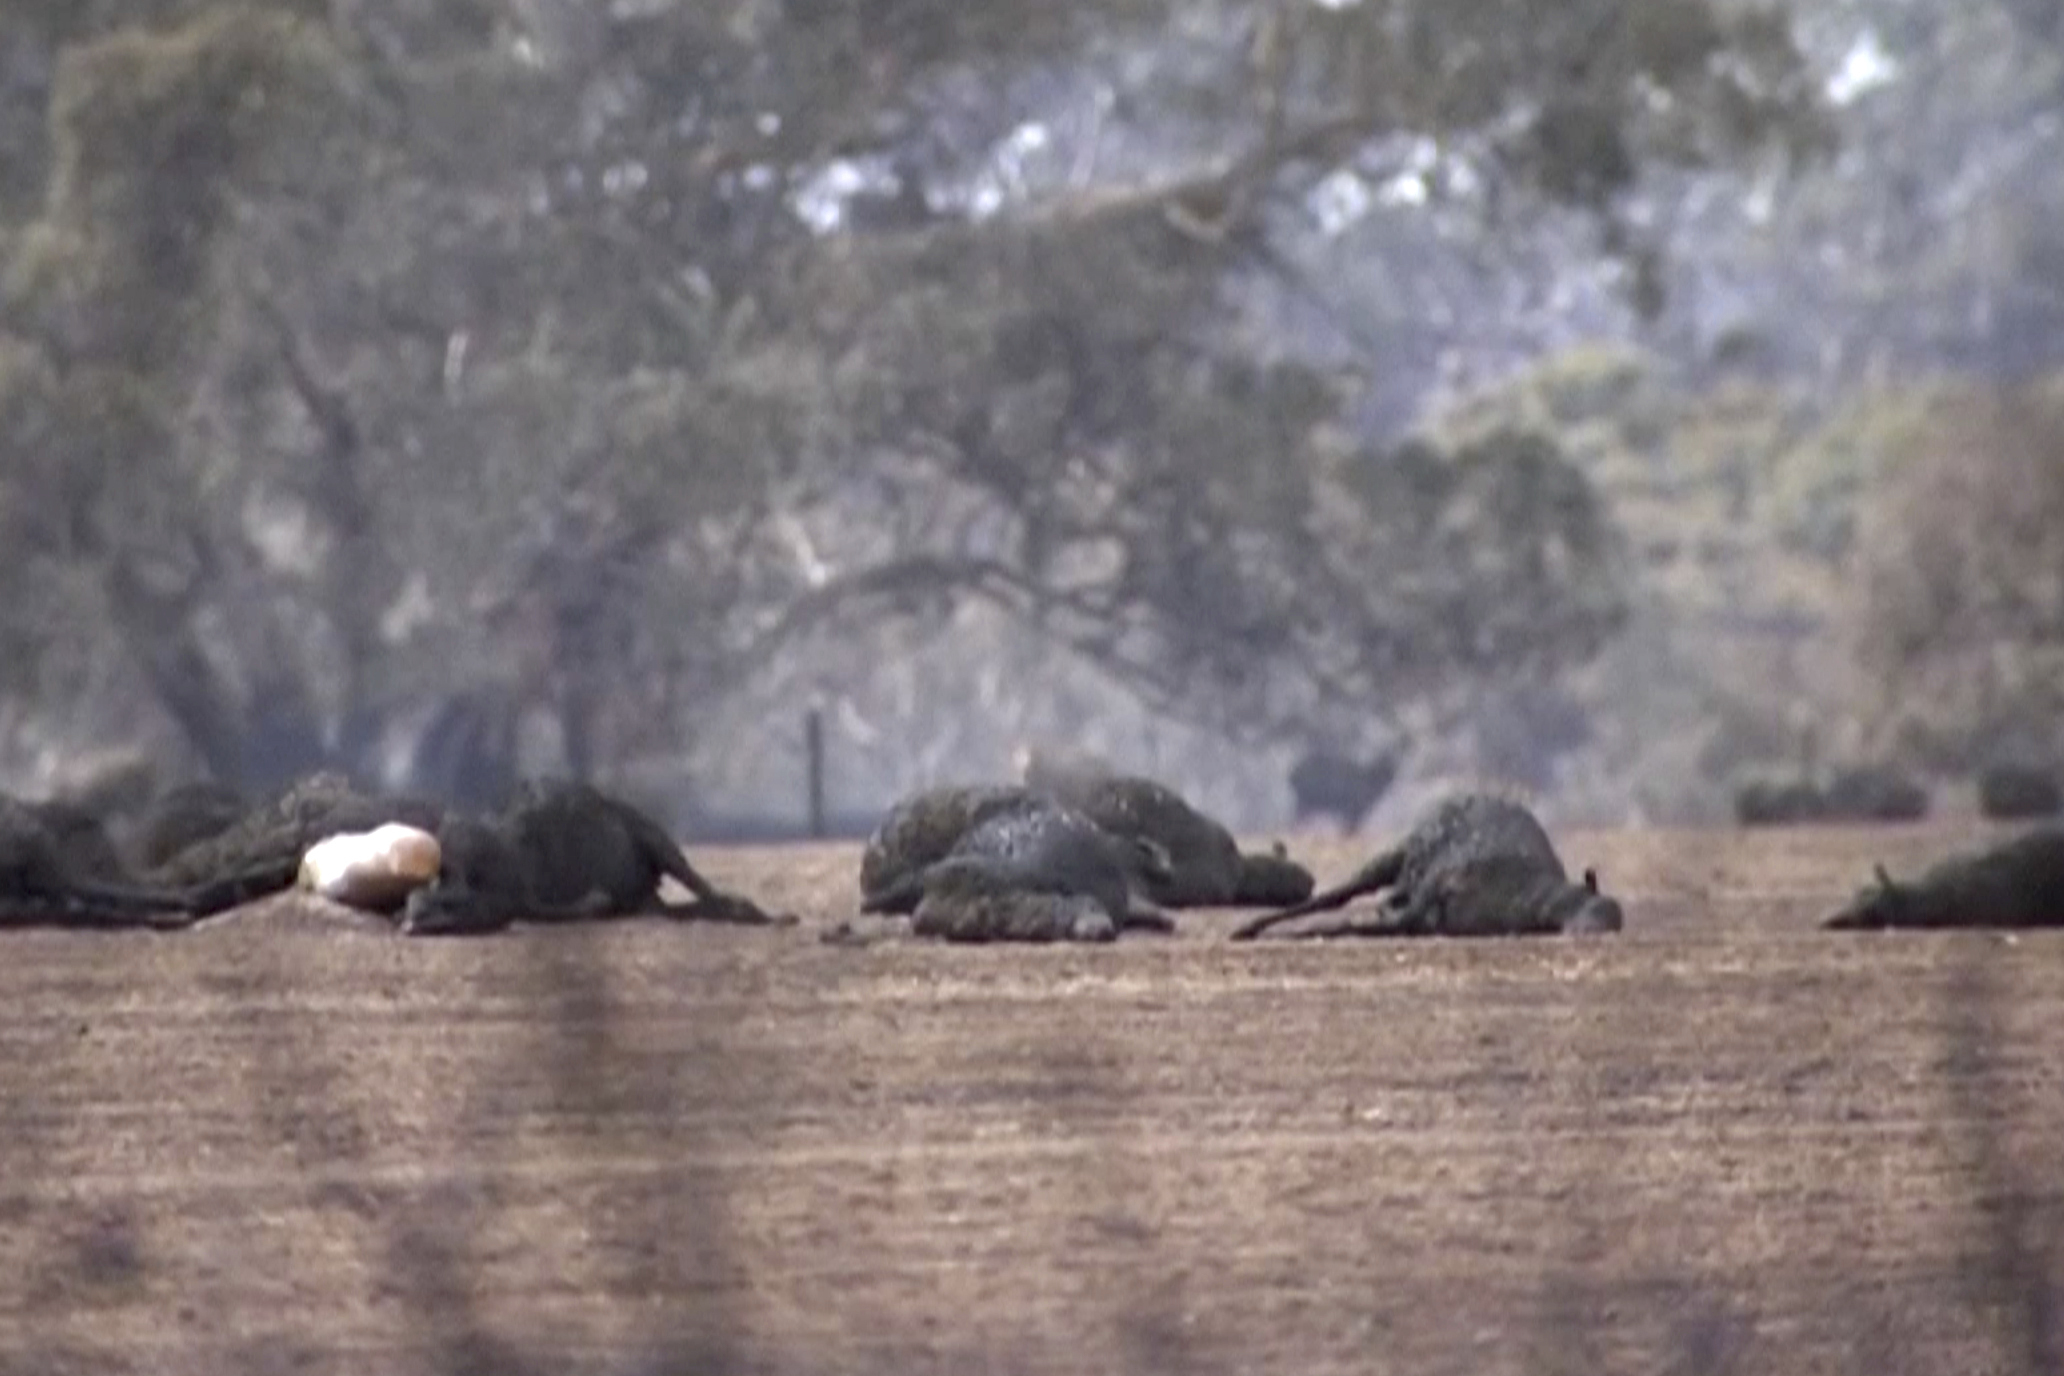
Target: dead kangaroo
[(1033, 871), (1474, 865), (2017, 883), (1206, 868), (260, 853), (563, 851), (920, 831)]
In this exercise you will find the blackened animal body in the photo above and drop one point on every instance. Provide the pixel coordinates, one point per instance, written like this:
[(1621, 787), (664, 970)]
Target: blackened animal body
[(54, 876), (2017, 883), (260, 853), (2012, 793), (563, 851), (1033, 871), (1205, 865), (184, 815), (481, 886), (968, 906), (1323, 784), (1474, 865), (922, 830), (1271, 879)]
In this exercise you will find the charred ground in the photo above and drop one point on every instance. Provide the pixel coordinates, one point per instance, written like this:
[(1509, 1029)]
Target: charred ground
[(1723, 1142)]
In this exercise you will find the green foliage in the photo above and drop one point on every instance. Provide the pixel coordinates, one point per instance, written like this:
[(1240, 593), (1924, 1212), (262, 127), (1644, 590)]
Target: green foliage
[(1605, 85), (1769, 522), (1962, 600), (479, 342), (149, 132), (929, 32), (26, 382)]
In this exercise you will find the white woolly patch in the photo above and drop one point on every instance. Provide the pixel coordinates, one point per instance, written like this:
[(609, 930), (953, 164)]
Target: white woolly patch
[(375, 869)]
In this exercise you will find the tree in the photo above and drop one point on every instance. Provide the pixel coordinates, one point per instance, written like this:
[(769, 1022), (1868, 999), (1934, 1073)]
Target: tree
[(1962, 601), (490, 344)]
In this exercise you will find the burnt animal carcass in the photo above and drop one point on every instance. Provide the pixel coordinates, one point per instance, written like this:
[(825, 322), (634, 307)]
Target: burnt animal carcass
[(1475, 864)]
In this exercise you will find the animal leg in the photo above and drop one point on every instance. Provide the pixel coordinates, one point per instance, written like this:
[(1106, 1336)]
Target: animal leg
[(652, 838), (1359, 922), (900, 897), (1379, 873), (1392, 917), (729, 909), (124, 898), (1145, 917), (65, 911)]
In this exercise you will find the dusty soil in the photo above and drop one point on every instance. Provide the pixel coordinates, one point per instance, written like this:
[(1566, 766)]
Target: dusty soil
[(1723, 1142)]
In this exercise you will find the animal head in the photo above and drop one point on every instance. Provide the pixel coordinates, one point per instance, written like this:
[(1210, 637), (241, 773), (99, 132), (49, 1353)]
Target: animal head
[(1592, 911), (1882, 904)]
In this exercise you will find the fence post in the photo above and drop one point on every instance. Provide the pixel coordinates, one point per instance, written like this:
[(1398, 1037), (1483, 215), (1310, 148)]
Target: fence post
[(813, 748)]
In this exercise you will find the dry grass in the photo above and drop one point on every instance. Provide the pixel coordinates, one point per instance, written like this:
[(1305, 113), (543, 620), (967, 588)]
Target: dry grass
[(1722, 1143)]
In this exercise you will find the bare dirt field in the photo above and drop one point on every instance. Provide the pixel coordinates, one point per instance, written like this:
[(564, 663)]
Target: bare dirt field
[(1721, 1143)]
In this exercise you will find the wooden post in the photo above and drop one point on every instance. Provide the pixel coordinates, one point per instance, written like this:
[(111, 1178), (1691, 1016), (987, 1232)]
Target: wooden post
[(813, 748)]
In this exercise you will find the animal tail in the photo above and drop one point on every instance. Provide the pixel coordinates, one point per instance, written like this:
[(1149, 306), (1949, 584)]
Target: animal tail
[(93, 904), (242, 886), (733, 911)]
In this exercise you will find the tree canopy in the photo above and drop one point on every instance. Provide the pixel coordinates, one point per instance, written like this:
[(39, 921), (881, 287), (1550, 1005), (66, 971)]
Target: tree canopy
[(361, 353)]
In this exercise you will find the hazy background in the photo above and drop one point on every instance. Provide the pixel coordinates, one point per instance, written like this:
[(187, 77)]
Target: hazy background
[(1609, 396)]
